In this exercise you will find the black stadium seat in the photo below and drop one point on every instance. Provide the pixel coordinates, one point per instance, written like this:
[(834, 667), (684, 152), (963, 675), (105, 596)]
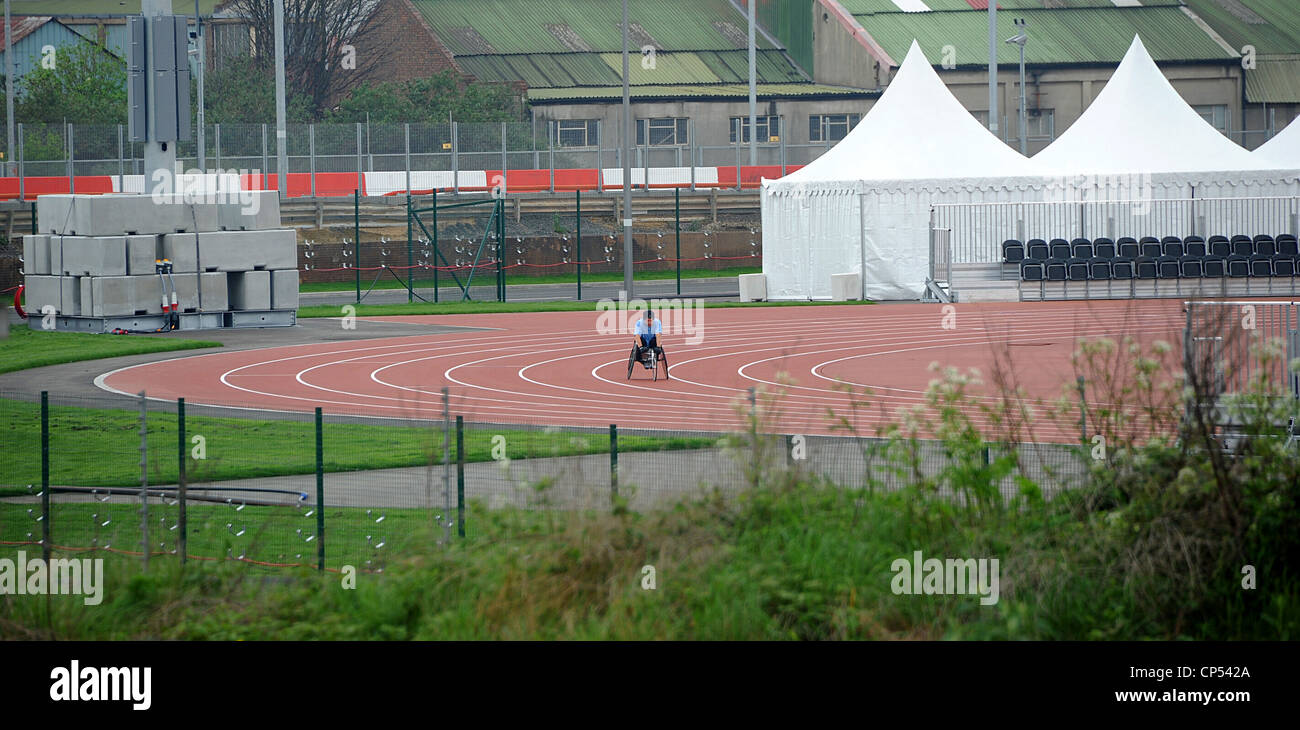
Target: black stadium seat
[(1194, 246), (1238, 266), (1219, 246), (1060, 248), (1103, 248), (1054, 270), (1284, 265), (1286, 245), (1013, 251), (1081, 248), (1036, 249), (1031, 270), (1128, 248), (1076, 269), (1261, 266), (1151, 247), (1191, 267), (1145, 268), (1214, 267), (1243, 246), (1172, 246), (1167, 267), (1121, 267), (1099, 268), (1265, 246)]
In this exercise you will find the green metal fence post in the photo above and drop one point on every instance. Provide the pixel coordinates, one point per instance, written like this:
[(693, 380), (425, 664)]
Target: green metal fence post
[(613, 460), (434, 234), (320, 490), (181, 444), (501, 245), (45, 475), (577, 202), (677, 224), (460, 476), (410, 252), (356, 238)]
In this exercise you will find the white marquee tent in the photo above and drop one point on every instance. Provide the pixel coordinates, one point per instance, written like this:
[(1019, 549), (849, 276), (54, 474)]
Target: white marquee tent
[(864, 206), (1284, 148)]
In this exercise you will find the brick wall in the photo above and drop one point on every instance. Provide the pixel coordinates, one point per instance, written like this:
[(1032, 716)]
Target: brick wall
[(406, 43)]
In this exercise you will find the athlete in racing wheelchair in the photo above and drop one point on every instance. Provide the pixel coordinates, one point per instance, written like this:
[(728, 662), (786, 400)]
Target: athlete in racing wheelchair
[(645, 348)]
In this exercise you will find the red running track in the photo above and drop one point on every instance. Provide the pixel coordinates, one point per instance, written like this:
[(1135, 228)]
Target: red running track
[(555, 368)]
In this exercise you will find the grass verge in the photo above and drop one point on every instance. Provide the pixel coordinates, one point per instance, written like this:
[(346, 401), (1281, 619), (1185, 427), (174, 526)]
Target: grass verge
[(390, 310), (101, 447), (27, 348)]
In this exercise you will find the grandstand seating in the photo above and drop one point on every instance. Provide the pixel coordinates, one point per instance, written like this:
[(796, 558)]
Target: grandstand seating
[(1151, 266)]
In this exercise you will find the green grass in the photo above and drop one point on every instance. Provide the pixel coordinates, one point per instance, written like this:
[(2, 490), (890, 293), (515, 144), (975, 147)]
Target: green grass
[(517, 279), (401, 309), (100, 447), (27, 348)]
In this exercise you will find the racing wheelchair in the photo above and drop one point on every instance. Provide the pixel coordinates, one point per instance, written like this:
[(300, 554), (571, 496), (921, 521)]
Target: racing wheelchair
[(652, 359)]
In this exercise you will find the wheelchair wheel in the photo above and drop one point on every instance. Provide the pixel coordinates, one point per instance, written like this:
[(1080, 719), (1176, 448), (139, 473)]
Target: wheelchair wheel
[(664, 359), (631, 363), (654, 366)]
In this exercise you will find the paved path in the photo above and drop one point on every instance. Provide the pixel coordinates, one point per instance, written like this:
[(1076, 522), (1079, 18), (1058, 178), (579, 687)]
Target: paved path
[(720, 288)]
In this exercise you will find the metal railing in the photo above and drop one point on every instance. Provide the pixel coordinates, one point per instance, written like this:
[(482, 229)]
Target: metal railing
[(979, 229)]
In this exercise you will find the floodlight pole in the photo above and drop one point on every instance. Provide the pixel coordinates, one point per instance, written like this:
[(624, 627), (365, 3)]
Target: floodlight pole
[(753, 95), (281, 138), (9, 90), (198, 45), (627, 166), (1024, 139), (158, 154), (993, 68)]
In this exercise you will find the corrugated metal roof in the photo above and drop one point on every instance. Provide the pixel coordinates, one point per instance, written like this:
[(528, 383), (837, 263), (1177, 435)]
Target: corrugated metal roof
[(1271, 26), (1090, 35), (698, 91), (529, 26), (858, 7), (101, 7), (606, 69), (1274, 81)]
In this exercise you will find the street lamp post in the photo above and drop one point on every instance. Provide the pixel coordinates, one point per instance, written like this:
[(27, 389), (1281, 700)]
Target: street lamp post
[(627, 166), (1020, 39)]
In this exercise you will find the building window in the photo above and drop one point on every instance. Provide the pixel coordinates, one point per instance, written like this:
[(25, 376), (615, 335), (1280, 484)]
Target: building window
[(831, 127), (664, 131), (576, 133), (1040, 123), (1216, 115), (768, 127)]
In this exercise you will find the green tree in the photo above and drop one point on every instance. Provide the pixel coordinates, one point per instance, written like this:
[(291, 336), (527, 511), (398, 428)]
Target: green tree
[(432, 99), (243, 92), (87, 85)]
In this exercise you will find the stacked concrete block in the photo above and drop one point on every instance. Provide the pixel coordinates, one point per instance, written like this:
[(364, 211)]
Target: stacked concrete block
[(95, 255)]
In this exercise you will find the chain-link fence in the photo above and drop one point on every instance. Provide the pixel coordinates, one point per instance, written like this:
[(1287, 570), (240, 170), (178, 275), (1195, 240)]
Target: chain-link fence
[(163, 479)]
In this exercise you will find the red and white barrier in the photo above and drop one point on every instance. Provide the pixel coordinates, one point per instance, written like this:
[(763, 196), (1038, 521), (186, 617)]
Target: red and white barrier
[(342, 184)]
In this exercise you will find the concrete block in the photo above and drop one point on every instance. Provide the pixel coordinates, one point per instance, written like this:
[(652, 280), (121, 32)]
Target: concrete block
[(87, 294), (141, 252), (124, 295), (251, 210), (115, 214), (97, 256), (180, 248), (284, 289), (846, 287), (41, 291), (187, 292), (232, 251), (70, 294), (753, 287), (213, 292), (249, 290), (36, 254)]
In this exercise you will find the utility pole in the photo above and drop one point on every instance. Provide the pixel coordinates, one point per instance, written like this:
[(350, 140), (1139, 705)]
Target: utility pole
[(281, 138), (199, 53), (9, 91), (993, 69), (753, 94), (627, 166)]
